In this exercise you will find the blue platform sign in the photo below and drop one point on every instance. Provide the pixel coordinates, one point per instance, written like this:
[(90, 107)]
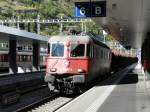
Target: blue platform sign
[(82, 9), (90, 9)]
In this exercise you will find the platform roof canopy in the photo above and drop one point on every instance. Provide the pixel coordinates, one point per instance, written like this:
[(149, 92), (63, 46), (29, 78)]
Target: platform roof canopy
[(8, 33), (130, 17)]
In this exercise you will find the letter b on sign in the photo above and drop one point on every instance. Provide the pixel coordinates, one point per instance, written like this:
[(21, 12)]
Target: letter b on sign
[(98, 10)]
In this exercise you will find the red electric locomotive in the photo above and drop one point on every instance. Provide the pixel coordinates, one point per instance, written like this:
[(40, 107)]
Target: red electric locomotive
[(75, 60)]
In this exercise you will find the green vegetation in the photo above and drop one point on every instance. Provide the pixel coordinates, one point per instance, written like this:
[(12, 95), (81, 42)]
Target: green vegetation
[(47, 9), (29, 9)]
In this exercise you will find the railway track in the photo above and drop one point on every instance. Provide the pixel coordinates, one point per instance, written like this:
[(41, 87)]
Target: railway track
[(50, 103), (53, 105), (37, 103), (27, 100)]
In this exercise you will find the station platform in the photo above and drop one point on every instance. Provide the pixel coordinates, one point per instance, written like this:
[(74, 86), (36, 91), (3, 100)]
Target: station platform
[(126, 91)]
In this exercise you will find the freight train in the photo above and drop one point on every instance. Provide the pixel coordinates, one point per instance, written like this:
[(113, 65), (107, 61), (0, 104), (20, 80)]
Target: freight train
[(74, 61)]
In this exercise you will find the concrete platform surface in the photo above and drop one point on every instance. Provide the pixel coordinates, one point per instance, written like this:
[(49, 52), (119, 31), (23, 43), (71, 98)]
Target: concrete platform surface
[(125, 91)]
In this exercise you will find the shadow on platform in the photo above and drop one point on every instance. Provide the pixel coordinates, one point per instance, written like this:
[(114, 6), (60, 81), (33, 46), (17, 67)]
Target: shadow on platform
[(130, 78)]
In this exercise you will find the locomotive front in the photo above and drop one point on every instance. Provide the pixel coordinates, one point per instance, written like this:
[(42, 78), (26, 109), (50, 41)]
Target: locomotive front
[(67, 62)]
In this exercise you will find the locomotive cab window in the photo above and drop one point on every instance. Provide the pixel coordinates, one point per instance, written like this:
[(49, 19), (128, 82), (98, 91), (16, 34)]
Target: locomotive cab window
[(57, 50), (77, 50)]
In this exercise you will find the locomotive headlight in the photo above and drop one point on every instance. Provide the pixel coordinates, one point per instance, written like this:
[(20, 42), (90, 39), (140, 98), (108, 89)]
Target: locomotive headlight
[(81, 70), (53, 70)]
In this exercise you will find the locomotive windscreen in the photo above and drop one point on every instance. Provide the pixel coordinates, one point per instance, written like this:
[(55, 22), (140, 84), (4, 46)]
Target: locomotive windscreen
[(77, 50), (57, 50)]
